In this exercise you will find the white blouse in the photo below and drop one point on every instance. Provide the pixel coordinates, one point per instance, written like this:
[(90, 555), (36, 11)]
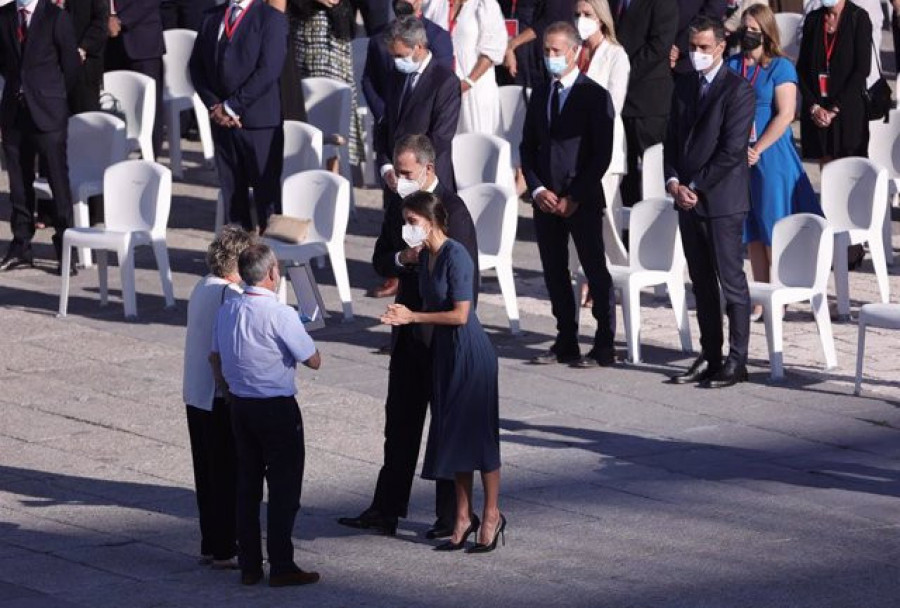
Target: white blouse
[(610, 69)]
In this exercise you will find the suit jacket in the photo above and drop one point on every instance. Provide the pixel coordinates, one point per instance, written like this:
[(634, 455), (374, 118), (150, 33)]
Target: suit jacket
[(460, 227), (647, 31), (142, 31), (89, 18), (432, 109), (245, 70), (380, 65), (45, 68), (570, 158), (688, 10), (707, 141)]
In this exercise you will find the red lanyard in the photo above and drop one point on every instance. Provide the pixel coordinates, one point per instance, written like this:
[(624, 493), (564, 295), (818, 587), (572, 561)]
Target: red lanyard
[(512, 12), (450, 17), (829, 46), (231, 28), (745, 69)]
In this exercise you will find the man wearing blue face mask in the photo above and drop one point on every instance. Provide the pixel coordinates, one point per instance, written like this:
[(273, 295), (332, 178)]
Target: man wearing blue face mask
[(566, 149)]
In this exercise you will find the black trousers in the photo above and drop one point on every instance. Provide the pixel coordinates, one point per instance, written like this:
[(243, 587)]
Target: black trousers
[(640, 134), (22, 144), (249, 158), (409, 392), (268, 434), (714, 250), (215, 477), (117, 59), (585, 227)]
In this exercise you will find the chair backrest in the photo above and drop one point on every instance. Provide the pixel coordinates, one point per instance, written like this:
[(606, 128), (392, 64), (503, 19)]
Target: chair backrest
[(494, 211), (480, 159), (653, 175), (96, 140), (359, 50), (136, 94), (320, 196), (177, 78), (884, 143), (137, 197), (653, 235), (802, 246), (302, 148), (789, 33), (328, 103), (512, 119), (854, 193)]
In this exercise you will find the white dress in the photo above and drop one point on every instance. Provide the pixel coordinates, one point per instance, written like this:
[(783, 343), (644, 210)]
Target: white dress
[(479, 30), (610, 69)]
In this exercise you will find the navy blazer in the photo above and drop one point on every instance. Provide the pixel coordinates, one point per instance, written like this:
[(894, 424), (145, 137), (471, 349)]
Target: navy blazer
[(707, 141), (380, 65), (245, 70), (571, 158), (432, 110), (142, 30), (45, 69)]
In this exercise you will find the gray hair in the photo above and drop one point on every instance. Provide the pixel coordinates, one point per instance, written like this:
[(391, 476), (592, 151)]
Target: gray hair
[(256, 262), (565, 28), (222, 254), (419, 145), (408, 30)]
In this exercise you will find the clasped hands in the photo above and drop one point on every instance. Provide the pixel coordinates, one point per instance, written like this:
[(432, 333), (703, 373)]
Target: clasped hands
[(548, 202), (222, 118), (821, 117), (684, 197), (397, 314)]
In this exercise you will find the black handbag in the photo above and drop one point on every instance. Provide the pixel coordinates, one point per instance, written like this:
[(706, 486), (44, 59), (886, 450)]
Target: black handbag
[(879, 100)]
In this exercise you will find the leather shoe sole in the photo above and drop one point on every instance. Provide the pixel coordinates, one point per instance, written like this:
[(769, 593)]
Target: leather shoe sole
[(726, 379), (593, 360), (293, 578), (381, 526), (550, 357)]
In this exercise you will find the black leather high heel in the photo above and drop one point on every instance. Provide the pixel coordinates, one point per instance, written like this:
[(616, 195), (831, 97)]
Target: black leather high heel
[(500, 532), (474, 523)]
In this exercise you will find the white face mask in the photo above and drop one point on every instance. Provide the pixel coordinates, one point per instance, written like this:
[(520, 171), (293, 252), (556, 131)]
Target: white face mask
[(701, 61), (586, 27), (413, 236), (405, 186)]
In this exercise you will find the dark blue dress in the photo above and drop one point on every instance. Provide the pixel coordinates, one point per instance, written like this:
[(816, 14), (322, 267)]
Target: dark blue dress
[(779, 185), (464, 435)]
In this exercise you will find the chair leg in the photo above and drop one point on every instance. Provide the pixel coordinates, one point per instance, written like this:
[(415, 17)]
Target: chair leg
[(204, 128), (860, 355), (508, 289), (773, 312), (161, 252), (823, 322), (173, 124), (102, 270), (146, 142), (631, 316), (679, 307), (879, 263), (126, 273), (338, 260), (81, 219), (887, 232), (841, 275), (64, 287)]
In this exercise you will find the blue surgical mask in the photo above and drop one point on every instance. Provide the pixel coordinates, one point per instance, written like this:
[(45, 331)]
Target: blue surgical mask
[(406, 65), (22, 3), (829, 3), (556, 65)]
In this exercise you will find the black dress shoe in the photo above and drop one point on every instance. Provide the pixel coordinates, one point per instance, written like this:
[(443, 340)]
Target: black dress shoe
[(251, 577), (699, 371), (556, 355), (371, 519), (605, 357), (17, 256), (293, 578), (729, 375), (440, 529)]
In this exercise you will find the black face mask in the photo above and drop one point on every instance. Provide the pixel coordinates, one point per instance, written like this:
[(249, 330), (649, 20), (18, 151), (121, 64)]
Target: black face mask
[(750, 40)]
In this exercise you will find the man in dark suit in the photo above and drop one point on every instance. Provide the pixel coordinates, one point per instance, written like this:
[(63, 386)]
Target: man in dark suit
[(421, 97), (236, 66), (380, 70), (688, 11), (708, 176), (90, 20), (409, 382), (184, 14), (375, 14), (646, 28), (566, 149), (40, 64), (136, 43)]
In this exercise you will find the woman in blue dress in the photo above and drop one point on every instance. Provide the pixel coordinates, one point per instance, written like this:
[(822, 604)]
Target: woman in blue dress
[(464, 435), (779, 185)]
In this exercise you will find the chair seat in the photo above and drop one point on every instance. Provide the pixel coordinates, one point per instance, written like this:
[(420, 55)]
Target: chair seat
[(760, 293), (880, 315), (302, 252), (100, 238), (641, 278)]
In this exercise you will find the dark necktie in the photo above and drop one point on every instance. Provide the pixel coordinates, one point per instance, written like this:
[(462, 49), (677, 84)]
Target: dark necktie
[(22, 32), (554, 102), (235, 12), (704, 87), (408, 86)]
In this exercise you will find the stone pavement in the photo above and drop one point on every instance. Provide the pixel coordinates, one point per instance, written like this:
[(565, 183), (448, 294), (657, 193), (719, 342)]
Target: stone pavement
[(620, 490)]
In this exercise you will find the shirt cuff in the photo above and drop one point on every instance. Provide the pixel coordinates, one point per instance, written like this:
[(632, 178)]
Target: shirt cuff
[(385, 168), (230, 112), (397, 260), (537, 191), (672, 180)]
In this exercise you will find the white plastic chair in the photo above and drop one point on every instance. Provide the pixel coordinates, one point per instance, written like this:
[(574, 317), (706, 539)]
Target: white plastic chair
[(324, 198), (359, 49), (96, 141), (886, 316), (136, 211), (801, 257), (884, 151), (494, 210), (137, 95), (512, 119), (854, 199), (481, 159), (789, 33), (653, 176), (179, 95), (328, 104), (656, 258)]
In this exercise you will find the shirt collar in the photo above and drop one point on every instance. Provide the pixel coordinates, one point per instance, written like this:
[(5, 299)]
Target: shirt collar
[(711, 75), (433, 186), (259, 291), (569, 79), (424, 64), (241, 3)]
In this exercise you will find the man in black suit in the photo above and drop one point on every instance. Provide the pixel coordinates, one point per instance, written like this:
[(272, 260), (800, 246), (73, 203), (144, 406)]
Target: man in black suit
[(409, 382), (136, 43), (375, 14), (688, 12), (708, 176), (566, 149), (40, 64), (235, 67), (90, 20), (380, 71), (646, 28)]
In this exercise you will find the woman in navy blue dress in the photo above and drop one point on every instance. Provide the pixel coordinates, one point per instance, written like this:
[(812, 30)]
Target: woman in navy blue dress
[(464, 435)]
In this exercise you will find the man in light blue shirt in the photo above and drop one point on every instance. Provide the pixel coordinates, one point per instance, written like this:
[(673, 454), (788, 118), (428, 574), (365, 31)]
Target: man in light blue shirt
[(257, 343)]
